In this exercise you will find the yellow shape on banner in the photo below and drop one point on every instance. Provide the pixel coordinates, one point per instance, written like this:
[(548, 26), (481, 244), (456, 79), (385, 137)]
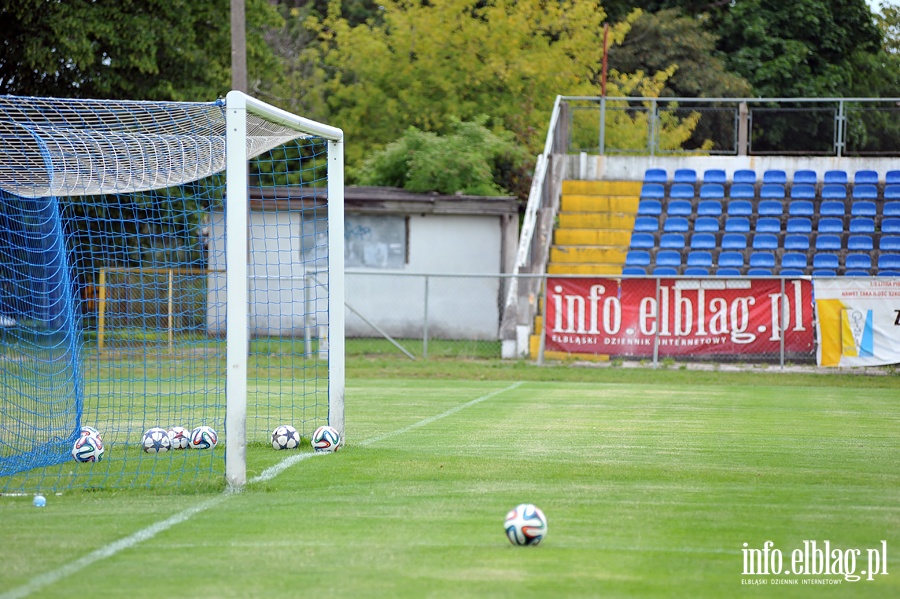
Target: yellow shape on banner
[(831, 325)]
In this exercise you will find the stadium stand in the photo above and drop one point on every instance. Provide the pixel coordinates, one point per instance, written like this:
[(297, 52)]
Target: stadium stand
[(655, 175)]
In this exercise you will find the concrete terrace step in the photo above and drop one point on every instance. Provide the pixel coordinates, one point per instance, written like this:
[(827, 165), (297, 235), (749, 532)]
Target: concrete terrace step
[(598, 203), (596, 220), (600, 269), (594, 236), (587, 253), (612, 188)]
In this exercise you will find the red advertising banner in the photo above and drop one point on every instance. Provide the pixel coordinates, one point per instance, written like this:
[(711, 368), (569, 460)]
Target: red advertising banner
[(681, 317)]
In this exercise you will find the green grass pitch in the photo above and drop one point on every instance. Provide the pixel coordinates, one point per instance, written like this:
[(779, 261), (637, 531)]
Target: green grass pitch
[(651, 481)]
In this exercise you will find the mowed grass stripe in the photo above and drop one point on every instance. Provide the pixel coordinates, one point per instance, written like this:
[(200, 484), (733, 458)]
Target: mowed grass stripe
[(650, 492)]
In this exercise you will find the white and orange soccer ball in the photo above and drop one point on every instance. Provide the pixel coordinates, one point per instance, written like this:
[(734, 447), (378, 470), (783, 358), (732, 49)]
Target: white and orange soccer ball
[(87, 448), (203, 437), (525, 524), (326, 439)]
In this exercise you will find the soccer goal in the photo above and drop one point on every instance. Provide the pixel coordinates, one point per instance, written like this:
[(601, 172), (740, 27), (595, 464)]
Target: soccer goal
[(164, 264)]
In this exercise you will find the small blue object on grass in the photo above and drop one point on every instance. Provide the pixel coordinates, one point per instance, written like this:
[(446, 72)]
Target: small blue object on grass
[(39, 501)]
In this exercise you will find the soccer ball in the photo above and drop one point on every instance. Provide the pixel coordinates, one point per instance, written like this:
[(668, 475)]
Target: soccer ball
[(156, 440), (87, 449), (203, 437), (525, 525), (179, 437), (285, 437), (326, 439), (90, 431)]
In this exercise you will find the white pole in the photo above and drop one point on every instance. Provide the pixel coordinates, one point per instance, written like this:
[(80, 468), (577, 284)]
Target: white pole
[(237, 298), (336, 284)]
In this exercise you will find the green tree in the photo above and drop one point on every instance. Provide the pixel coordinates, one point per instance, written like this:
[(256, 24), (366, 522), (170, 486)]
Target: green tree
[(470, 159), (128, 49)]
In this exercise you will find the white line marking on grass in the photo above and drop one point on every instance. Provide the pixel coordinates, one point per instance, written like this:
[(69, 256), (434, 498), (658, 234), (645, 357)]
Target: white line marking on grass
[(151, 531), (431, 419)]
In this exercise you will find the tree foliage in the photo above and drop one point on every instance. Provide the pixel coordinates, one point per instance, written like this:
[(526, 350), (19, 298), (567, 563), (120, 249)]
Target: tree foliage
[(128, 49), (469, 159)]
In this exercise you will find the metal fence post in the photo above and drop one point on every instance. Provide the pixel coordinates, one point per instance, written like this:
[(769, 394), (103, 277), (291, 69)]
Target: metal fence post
[(425, 323), (656, 329)]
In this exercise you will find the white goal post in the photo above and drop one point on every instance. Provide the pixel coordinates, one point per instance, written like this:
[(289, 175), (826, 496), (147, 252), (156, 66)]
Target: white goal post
[(238, 105)]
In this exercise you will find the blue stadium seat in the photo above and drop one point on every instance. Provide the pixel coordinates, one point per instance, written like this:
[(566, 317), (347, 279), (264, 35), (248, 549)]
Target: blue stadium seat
[(765, 241), (734, 241), (728, 272), (740, 208), (709, 208), (655, 175), (730, 259), (828, 243), (825, 261), (889, 262), (774, 176), (649, 208), (892, 192), (714, 175), (633, 270), (799, 224), (854, 272), (665, 271), (830, 225), (831, 208), (797, 242), (804, 177), (759, 272), (675, 224), (641, 241), (668, 258), (682, 191), (861, 224), (890, 226), (858, 261), (790, 272), (679, 208), (860, 243), (863, 208), (706, 224), (699, 258), (637, 258), (824, 272), (712, 191), (864, 192), (865, 177), (837, 176), (671, 241), (834, 192), (696, 271), (762, 260), (646, 223), (703, 241), (768, 224), (889, 273), (772, 191), (685, 175), (803, 192), (892, 178), (770, 208), (744, 176), (737, 224), (891, 208), (653, 191), (801, 208), (742, 191), (889, 243), (793, 260)]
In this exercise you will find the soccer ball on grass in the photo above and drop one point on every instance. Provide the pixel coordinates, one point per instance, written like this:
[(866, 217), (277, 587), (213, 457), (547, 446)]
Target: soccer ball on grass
[(88, 448), (156, 440), (285, 437), (326, 439), (179, 437), (525, 525), (203, 437)]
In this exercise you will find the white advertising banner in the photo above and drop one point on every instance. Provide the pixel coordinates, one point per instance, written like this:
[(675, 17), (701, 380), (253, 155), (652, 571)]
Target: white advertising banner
[(858, 321)]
